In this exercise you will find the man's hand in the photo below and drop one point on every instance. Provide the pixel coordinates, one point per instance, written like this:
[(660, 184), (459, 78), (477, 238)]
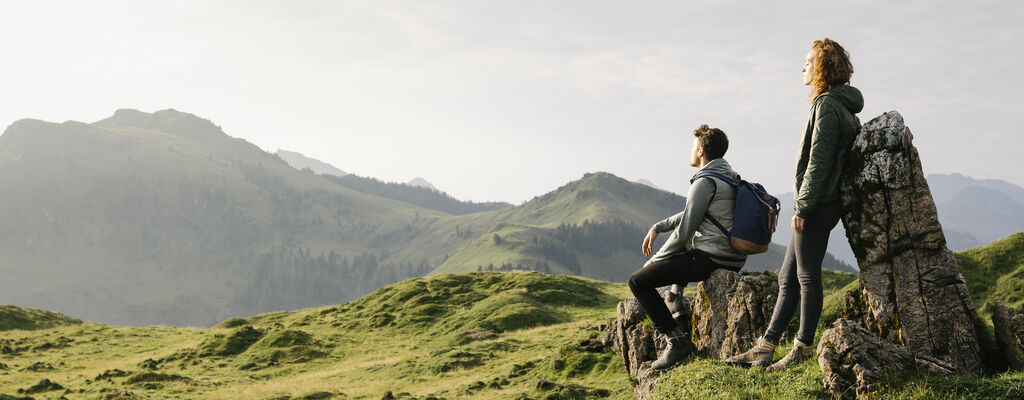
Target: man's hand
[(798, 224), (649, 242)]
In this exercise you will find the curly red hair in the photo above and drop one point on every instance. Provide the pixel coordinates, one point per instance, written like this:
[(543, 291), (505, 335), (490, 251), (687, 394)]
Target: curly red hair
[(832, 66)]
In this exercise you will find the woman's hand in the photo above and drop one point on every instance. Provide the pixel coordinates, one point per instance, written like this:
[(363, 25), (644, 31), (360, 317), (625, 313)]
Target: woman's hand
[(798, 224), (649, 242)]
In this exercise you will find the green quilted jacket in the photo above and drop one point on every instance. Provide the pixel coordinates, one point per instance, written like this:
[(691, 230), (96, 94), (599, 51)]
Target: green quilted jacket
[(831, 127)]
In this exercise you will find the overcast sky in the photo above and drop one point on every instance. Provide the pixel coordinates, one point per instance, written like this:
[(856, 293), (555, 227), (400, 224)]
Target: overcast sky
[(503, 100)]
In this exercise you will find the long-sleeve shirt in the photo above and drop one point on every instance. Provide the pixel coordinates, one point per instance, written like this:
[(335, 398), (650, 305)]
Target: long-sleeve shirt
[(691, 230)]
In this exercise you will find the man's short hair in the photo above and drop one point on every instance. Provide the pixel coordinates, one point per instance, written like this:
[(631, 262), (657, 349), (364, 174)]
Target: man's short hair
[(713, 140)]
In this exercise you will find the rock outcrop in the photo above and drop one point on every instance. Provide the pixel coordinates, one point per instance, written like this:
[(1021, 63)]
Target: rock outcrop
[(848, 340), (728, 314), (913, 295), (731, 311), (638, 343), (1009, 330)]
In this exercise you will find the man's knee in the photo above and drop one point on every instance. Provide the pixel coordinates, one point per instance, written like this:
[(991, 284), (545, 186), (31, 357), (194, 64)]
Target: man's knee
[(636, 280)]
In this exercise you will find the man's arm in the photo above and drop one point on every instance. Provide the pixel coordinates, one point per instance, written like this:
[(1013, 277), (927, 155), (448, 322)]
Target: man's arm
[(687, 221), (669, 223), (697, 202)]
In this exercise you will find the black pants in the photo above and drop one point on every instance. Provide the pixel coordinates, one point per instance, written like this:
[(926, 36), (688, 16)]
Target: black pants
[(800, 275), (692, 266)]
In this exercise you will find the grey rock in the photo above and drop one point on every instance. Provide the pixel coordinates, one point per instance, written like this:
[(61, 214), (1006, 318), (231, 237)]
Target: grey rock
[(638, 343), (851, 358), (732, 310), (912, 294), (1009, 330)]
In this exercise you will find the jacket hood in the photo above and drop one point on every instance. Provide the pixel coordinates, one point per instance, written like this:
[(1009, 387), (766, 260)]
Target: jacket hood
[(718, 165), (848, 95)]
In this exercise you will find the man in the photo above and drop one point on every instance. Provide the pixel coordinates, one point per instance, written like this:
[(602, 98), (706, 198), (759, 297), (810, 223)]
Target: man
[(696, 246), (827, 137)]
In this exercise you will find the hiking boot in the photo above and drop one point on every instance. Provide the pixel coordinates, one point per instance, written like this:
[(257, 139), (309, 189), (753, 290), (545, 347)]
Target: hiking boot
[(796, 355), (678, 348), (759, 355)]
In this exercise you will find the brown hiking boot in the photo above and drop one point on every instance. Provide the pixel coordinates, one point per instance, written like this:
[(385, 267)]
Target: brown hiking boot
[(796, 355), (759, 355)]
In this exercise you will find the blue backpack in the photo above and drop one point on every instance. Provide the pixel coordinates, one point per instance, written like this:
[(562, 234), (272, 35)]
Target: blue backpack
[(755, 215)]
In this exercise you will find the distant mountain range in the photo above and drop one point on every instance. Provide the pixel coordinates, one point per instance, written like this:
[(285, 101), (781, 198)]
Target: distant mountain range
[(161, 218), (973, 212), (648, 183), (416, 195), (300, 162)]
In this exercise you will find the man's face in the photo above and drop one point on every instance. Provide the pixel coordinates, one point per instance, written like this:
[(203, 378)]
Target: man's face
[(695, 153), (809, 67)]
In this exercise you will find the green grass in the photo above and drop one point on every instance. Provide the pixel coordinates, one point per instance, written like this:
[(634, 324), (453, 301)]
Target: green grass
[(712, 379), (902, 385), (478, 335), (995, 272), (452, 336)]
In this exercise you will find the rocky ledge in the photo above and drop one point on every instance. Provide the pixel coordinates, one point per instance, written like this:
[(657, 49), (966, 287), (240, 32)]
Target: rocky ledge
[(728, 314)]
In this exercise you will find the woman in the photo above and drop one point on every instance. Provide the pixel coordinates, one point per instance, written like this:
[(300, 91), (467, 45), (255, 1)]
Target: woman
[(831, 127)]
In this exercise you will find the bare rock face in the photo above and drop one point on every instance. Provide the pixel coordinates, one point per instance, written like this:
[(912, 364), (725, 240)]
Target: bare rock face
[(1009, 329), (913, 294), (851, 358), (731, 311)]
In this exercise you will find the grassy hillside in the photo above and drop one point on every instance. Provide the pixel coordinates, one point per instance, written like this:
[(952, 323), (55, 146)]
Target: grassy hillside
[(27, 319), (465, 336), (995, 272), (479, 335), (163, 219)]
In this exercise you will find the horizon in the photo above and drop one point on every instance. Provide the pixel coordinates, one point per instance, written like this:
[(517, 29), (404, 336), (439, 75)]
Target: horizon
[(505, 101)]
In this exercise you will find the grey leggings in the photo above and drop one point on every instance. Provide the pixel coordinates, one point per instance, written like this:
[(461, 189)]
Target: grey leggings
[(800, 276)]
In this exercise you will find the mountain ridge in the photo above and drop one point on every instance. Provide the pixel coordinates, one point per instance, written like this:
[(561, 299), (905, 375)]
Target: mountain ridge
[(141, 220)]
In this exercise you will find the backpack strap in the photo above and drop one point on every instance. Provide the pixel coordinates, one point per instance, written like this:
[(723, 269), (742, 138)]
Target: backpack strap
[(723, 178)]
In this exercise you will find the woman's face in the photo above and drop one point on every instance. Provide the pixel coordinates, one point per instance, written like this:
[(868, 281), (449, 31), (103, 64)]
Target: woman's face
[(809, 67)]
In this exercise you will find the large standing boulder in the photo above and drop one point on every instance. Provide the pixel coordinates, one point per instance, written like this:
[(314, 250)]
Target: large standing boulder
[(912, 290)]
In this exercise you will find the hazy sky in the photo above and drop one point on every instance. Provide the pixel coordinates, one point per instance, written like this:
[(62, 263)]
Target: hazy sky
[(503, 100)]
